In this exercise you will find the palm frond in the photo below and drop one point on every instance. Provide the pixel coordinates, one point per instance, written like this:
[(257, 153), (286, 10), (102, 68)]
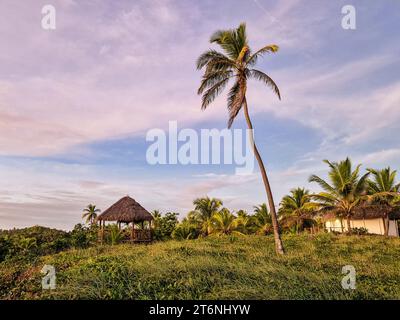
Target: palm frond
[(231, 41), (211, 55), (210, 79), (322, 183), (210, 95), (236, 98), (261, 76), (361, 184), (267, 49)]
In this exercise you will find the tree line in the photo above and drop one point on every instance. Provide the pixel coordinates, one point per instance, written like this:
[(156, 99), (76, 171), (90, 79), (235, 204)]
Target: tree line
[(345, 190)]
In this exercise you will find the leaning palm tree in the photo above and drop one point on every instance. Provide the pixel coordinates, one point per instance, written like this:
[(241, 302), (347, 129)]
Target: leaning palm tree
[(262, 219), (237, 63), (344, 192), (204, 209), (90, 213), (297, 207), (383, 190)]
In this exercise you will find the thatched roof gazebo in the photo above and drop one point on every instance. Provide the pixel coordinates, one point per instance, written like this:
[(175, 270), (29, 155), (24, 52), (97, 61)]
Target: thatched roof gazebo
[(127, 210)]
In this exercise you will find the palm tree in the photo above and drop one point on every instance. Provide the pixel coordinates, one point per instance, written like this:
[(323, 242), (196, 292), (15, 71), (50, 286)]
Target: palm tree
[(185, 230), (383, 190), (244, 222), (156, 214), (262, 219), (204, 209), (298, 207), (223, 223), (345, 190), (383, 184), (90, 213), (237, 63)]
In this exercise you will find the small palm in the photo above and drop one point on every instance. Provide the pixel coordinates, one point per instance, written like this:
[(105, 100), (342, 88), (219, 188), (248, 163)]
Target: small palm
[(90, 213)]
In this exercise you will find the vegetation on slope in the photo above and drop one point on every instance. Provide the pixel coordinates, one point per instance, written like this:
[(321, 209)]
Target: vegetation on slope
[(226, 267)]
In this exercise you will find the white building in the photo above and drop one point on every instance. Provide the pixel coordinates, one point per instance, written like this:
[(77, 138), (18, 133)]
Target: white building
[(370, 218)]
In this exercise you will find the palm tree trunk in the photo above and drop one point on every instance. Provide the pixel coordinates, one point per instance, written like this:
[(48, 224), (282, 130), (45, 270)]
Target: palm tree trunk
[(348, 224), (386, 220), (278, 241)]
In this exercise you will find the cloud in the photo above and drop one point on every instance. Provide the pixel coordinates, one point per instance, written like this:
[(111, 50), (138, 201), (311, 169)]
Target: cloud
[(112, 71)]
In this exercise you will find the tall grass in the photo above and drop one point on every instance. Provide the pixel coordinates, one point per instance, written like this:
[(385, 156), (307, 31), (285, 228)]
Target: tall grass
[(216, 268)]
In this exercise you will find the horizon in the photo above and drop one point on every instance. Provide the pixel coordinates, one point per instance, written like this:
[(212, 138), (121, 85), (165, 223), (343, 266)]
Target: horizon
[(78, 101)]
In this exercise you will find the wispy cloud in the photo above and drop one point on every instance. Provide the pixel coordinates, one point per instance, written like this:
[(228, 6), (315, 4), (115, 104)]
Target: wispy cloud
[(112, 71)]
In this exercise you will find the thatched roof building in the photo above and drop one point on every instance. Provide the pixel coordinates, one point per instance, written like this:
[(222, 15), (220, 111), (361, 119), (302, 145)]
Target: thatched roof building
[(367, 211), (125, 210), (376, 218)]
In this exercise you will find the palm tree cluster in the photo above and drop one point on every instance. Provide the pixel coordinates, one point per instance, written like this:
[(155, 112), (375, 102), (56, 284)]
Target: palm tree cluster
[(347, 189), (211, 218)]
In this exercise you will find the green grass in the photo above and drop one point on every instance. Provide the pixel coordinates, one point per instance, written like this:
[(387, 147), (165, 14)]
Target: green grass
[(215, 268)]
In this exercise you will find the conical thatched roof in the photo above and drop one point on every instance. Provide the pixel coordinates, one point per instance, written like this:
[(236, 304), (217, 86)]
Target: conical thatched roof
[(125, 210)]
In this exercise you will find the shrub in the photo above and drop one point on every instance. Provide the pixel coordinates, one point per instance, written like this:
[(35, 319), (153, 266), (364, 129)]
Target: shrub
[(116, 235), (185, 230), (359, 231), (25, 243), (80, 236), (5, 247), (165, 225)]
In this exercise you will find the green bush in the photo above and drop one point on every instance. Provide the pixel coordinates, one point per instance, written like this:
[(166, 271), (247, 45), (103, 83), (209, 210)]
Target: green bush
[(80, 236), (164, 226), (185, 231), (5, 247), (359, 231), (115, 235), (26, 243)]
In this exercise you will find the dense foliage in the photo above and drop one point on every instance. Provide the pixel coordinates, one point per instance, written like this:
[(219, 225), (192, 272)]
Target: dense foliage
[(165, 225), (35, 241)]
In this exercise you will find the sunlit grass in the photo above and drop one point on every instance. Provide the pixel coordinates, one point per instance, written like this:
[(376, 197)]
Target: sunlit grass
[(216, 268)]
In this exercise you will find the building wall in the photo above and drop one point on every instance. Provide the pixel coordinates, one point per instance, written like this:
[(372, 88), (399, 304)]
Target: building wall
[(393, 228), (374, 226)]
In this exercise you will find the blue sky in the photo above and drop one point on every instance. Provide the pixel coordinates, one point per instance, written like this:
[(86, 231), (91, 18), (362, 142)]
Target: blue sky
[(76, 102)]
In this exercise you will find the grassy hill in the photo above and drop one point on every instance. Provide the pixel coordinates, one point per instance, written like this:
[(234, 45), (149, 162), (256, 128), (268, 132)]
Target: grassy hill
[(215, 268)]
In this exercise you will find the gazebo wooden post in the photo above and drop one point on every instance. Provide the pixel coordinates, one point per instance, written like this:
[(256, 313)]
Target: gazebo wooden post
[(133, 231), (102, 231), (99, 232), (151, 236)]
